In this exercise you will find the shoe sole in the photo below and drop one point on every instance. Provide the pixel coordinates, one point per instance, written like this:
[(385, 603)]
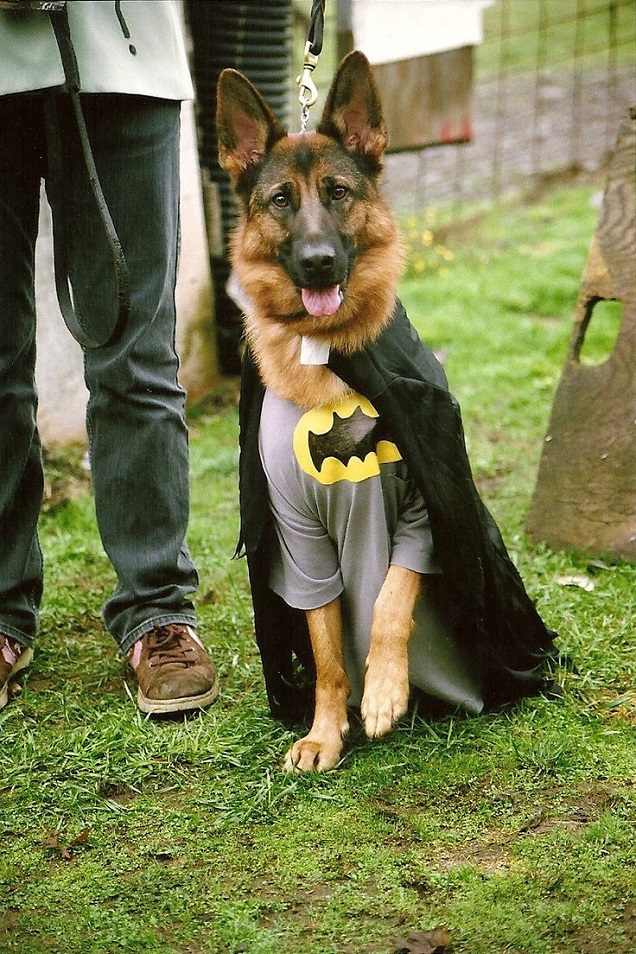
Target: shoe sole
[(21, 663), (185, 704)]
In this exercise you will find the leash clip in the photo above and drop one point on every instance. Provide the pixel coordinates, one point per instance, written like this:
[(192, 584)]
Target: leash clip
[(308, 93)]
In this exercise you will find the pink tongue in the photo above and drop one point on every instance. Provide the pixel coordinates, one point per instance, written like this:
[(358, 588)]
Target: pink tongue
[(320, 303)]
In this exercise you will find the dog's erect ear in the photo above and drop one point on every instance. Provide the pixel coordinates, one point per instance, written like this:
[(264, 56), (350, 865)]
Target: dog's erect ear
[(246, 126), (353, 112)]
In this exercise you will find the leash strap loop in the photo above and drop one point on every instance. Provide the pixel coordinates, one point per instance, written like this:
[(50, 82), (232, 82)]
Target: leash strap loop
[(61, 29)]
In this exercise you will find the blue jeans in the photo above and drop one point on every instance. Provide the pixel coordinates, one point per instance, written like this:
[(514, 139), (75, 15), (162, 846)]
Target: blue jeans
[(135, 416)]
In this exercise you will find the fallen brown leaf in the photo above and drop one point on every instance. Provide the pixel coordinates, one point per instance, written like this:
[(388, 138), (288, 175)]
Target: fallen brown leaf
[(437, 941), (65, 852)]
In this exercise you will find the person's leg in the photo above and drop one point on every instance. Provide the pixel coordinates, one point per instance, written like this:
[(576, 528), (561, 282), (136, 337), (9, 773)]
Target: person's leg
[(136, 423), (21, 483)]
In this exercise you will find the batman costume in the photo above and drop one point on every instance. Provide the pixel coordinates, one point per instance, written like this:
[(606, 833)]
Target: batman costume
[(479, 594)]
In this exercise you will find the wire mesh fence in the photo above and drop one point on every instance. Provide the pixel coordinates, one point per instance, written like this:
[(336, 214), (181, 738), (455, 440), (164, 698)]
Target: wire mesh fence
[(553, 80)]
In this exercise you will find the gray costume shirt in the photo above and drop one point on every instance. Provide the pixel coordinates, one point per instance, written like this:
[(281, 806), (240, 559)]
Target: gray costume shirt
[(344, 510)]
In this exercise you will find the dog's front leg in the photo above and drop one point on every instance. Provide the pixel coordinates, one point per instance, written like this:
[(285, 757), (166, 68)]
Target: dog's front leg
[(386, 682), (320, 750)]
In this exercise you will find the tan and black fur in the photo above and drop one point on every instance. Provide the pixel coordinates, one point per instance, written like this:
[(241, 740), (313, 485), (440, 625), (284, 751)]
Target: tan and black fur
[(312, 216)]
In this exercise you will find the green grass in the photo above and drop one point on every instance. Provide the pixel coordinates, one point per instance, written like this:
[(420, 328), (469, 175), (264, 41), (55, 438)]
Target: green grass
[(516, 831), (516, 38)]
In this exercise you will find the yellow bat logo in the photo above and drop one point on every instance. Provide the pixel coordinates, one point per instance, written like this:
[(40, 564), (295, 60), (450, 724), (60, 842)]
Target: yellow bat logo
[(343, 441)]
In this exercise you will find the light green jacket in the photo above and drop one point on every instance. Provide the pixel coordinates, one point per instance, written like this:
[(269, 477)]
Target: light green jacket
[(29, 57)]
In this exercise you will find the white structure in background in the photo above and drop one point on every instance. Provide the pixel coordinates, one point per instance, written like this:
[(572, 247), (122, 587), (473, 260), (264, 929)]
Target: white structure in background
[(422, 54), (389, 30)]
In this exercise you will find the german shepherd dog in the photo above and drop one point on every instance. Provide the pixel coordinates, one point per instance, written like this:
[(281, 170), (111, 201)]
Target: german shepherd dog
[(317, 254)]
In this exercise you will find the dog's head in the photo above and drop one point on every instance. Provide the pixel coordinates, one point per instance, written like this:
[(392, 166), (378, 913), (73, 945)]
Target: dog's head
[(317, 248)]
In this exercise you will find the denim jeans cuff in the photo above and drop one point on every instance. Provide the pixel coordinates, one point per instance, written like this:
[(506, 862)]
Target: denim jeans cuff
[(14, 633)]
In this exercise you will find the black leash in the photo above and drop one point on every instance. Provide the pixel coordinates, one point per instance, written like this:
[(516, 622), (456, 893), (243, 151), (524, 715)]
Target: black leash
[(316, 27), (60, 24), (313, 48)]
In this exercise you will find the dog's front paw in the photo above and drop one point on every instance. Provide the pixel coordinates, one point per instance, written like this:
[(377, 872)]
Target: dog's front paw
[(385, 700), (313, 754)]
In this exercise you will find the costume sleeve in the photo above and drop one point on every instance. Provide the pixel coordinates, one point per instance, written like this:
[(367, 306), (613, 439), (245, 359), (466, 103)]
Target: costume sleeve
[(412, 541), (304, 570)]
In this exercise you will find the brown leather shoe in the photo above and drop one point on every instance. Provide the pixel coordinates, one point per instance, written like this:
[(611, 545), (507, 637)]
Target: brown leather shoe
[(14, 657), (174, 672)]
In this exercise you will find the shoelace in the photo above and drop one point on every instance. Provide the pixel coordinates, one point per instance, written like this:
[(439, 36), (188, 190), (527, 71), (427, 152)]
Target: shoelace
[(167, 644), (10, 650)]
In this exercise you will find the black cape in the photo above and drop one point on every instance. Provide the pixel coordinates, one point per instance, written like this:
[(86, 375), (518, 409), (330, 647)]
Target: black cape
[(479, 593)]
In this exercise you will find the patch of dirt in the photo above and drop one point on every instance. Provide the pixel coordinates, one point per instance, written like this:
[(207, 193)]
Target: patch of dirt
[(306, 910), (616, 704), (119, 794), (168, 935), (488, 485), (8, 921), (490, 857), (616, 936), (491, 854), (302, 910), (40, 683), (224, 396), (564, 809), (66, 475)]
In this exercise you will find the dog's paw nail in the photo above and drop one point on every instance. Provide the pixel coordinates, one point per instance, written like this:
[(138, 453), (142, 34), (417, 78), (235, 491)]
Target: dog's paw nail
[(310, 756), (378, 726), (381, 712)]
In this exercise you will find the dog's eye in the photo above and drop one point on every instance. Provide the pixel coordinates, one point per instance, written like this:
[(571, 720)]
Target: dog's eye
[(280, 200), (339, 192)]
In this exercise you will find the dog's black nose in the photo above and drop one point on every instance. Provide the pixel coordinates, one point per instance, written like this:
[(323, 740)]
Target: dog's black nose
[(318, 263)]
